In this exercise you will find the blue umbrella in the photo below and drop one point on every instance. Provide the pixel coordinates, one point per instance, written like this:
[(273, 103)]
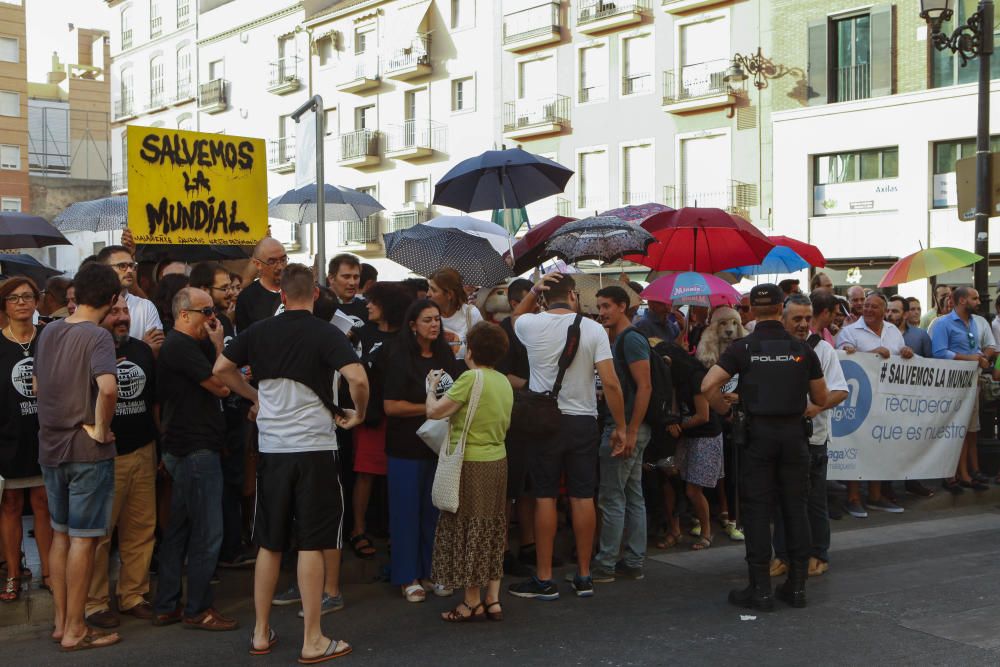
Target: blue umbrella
[(511, 178), (345, 204), (779, 260)]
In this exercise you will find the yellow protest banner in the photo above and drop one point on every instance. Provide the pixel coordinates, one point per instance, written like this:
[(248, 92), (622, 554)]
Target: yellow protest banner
[(195, 187)]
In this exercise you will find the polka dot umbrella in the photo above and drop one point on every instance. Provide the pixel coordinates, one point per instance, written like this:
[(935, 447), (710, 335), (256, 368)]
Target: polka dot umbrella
[(424, 250)]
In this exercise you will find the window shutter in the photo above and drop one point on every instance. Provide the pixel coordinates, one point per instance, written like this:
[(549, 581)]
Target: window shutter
[(818, 68), (882, 50)]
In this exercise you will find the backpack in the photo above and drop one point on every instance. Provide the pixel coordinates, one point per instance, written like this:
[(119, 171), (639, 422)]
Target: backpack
[(660, 412)]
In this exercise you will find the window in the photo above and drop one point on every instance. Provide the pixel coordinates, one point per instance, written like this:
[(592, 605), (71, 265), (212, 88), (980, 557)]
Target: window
[(857, 166), (851, 57), (637, 174), (704, 57), (217, 69), (463, 94), (415, 104), (853, 52), (330, 120), (946, 154), (637, 59), (10, 157), (10, 204), (364, 118), (364, 39), (946, 67), (705, 163), (156, 81), (125, 87), (593, 74), (324, 48), (462, 14), (592, 183), (10, 48), (415, 191), (185, 122), (10, 103), (856, 182), (185, 71), (126, 21), (183, 13), (536, 78), (155, 19)]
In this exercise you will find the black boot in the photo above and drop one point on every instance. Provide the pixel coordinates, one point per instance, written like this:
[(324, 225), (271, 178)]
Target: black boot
[(793, 591), (758, 594)]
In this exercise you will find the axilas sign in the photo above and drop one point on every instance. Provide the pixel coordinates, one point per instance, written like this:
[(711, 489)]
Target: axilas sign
[(195, 188)]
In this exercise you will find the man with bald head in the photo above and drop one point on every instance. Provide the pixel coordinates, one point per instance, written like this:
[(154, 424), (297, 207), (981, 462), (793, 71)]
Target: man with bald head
[(262, 298), (856, 299)]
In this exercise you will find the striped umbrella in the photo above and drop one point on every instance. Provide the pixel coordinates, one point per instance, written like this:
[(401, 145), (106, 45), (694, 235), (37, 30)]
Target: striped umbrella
[(691, 288), (927, 263)]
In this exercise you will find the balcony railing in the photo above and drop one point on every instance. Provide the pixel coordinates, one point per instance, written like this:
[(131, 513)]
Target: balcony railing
[(696, 81), (533, 23), (358, 144), (405, 219), (185, 90), (634, 84), (284, 73), (593, 93), (212, 95), (528, 113), (416, 55), (183, 14), (413, 135), (126, 39), (633, 197), (119, 181), (364, 75), (564, 207), (590, 11), (735, 197), (362, 232), (124, 107), (157, 100), (281, 153), (155, 26), (853, 83)]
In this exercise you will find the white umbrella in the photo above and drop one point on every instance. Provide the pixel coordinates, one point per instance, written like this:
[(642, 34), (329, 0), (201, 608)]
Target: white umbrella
[(495, 234)]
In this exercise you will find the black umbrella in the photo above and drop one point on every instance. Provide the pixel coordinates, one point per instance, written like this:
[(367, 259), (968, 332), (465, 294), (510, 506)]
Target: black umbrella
[(106, 214), (345, 204), (23, 230), (155, 252), (510, 178), (25, 265), (424, 250), (604, 238)]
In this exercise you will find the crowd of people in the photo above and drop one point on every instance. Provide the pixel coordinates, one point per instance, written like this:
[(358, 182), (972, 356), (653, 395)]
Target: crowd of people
[(213, 426)]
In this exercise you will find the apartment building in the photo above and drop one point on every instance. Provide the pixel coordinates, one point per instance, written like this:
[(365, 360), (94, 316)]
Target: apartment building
[(864, 162), (15, 192), (633, 95)]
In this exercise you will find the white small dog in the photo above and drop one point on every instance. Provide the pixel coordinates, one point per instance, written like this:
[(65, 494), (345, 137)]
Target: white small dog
[(724, 326)]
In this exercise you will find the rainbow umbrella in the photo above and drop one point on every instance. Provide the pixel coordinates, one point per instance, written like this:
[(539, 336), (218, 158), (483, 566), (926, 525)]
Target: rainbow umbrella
[(926, 263), (691, 288)]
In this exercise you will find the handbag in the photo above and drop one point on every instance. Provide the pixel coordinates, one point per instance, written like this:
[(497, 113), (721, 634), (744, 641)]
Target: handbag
[(448, 476), (435, 433), (537, 412)]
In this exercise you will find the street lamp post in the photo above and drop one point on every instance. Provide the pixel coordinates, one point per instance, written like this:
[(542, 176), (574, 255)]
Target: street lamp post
[(973, 39), (759, 67)]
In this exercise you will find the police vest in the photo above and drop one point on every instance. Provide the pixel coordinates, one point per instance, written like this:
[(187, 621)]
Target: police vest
[(775, 383)]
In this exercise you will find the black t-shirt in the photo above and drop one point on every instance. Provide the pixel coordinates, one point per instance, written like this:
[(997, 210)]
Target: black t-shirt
[(356, 310), (407, 381), (687, 384), (234, 405), (191, 415), (516, 361), (133, 423), (18, 410), (256, 303)]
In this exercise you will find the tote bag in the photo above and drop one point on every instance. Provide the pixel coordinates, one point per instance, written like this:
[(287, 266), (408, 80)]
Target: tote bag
[(448, 477)]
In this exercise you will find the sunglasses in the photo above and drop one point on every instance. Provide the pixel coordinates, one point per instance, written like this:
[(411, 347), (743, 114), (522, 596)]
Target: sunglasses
[(207, 311)]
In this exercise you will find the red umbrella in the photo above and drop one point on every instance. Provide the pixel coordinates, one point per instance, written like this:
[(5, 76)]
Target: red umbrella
[(706, 240), (806, 251), (530, 251)]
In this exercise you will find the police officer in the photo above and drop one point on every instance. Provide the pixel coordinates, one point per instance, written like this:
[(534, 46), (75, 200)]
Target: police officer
[(776, 372)]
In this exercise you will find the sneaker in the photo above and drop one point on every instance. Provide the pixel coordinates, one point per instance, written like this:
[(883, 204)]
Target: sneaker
[(291, 596), (598, 574), (856, 509), (329, 605), (535, 588), (584, 586), (884, 505), (626, 571), (734, 533)]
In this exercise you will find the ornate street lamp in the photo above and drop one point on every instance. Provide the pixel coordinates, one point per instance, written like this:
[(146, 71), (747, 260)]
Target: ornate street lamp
[(973, 39), (759, 67)]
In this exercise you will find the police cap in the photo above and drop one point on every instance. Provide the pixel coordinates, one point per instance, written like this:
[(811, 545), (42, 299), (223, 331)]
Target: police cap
[(765, 295)]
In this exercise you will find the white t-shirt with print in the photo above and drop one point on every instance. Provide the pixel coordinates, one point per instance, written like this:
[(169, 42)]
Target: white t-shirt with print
[(544, 337)]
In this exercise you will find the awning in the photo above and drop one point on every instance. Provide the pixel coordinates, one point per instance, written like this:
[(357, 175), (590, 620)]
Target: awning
[(402, 26)]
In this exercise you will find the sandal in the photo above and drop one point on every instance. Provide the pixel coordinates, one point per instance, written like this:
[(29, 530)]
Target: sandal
[(362, 546), (669, 542), (93, 639), (336, 649), (734, 533), (695, 528), (702, 544), (414, 593), (454, 616), (11, 590), (272, 639), (494, 615)]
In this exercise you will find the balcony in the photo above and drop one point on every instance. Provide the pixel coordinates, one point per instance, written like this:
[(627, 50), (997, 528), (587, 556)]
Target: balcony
[(594, 16), (365, 77), (284, 76), (415, 139), (683, 6), (365, 235), (405, 219), (636, 197), (359, 149), (281, 155), (532, 27), (183, 14), (411, 62), (697, 87), (157, 101), (736, 197), (119, 182), (124, 109), (853, 83), (126, 39), (535, 118), (637, 84), (155, 27), (212, 97), (185, 92)]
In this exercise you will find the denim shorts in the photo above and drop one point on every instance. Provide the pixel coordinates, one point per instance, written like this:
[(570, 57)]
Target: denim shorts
[(81, 496)]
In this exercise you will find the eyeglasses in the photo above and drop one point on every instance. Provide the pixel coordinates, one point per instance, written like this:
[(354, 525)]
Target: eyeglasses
[(274, 261), (124, 266), (227, 288), (21, 298), (207, 311)]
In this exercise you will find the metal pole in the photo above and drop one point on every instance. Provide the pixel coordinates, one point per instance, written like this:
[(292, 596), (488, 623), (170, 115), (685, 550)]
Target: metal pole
[(983, 185), (315, 104)]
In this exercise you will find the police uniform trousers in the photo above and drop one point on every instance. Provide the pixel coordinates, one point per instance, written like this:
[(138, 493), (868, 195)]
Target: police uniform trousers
[(775, 468)]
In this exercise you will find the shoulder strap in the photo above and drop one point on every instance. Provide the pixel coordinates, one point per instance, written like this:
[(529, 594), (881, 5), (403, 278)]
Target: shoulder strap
[(568, 353), (470, 413), (814, 340)]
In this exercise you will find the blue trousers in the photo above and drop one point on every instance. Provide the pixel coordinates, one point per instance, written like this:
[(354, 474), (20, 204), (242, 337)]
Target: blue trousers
[(412, 518)]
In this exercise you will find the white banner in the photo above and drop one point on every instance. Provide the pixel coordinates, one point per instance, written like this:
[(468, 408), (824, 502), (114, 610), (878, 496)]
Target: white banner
[(305, 149), (904, 419)]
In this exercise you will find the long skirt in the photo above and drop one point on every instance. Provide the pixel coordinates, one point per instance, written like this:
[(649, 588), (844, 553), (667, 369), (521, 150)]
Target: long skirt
[(469, 544)]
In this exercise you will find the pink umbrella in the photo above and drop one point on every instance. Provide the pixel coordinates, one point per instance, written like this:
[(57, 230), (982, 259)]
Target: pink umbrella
[(691, 288)]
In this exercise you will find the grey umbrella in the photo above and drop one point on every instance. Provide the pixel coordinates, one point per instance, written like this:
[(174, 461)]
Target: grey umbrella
[(25, 265), (343, 204), (604, 238), (23, 230), (97, 215), (424, 250)]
